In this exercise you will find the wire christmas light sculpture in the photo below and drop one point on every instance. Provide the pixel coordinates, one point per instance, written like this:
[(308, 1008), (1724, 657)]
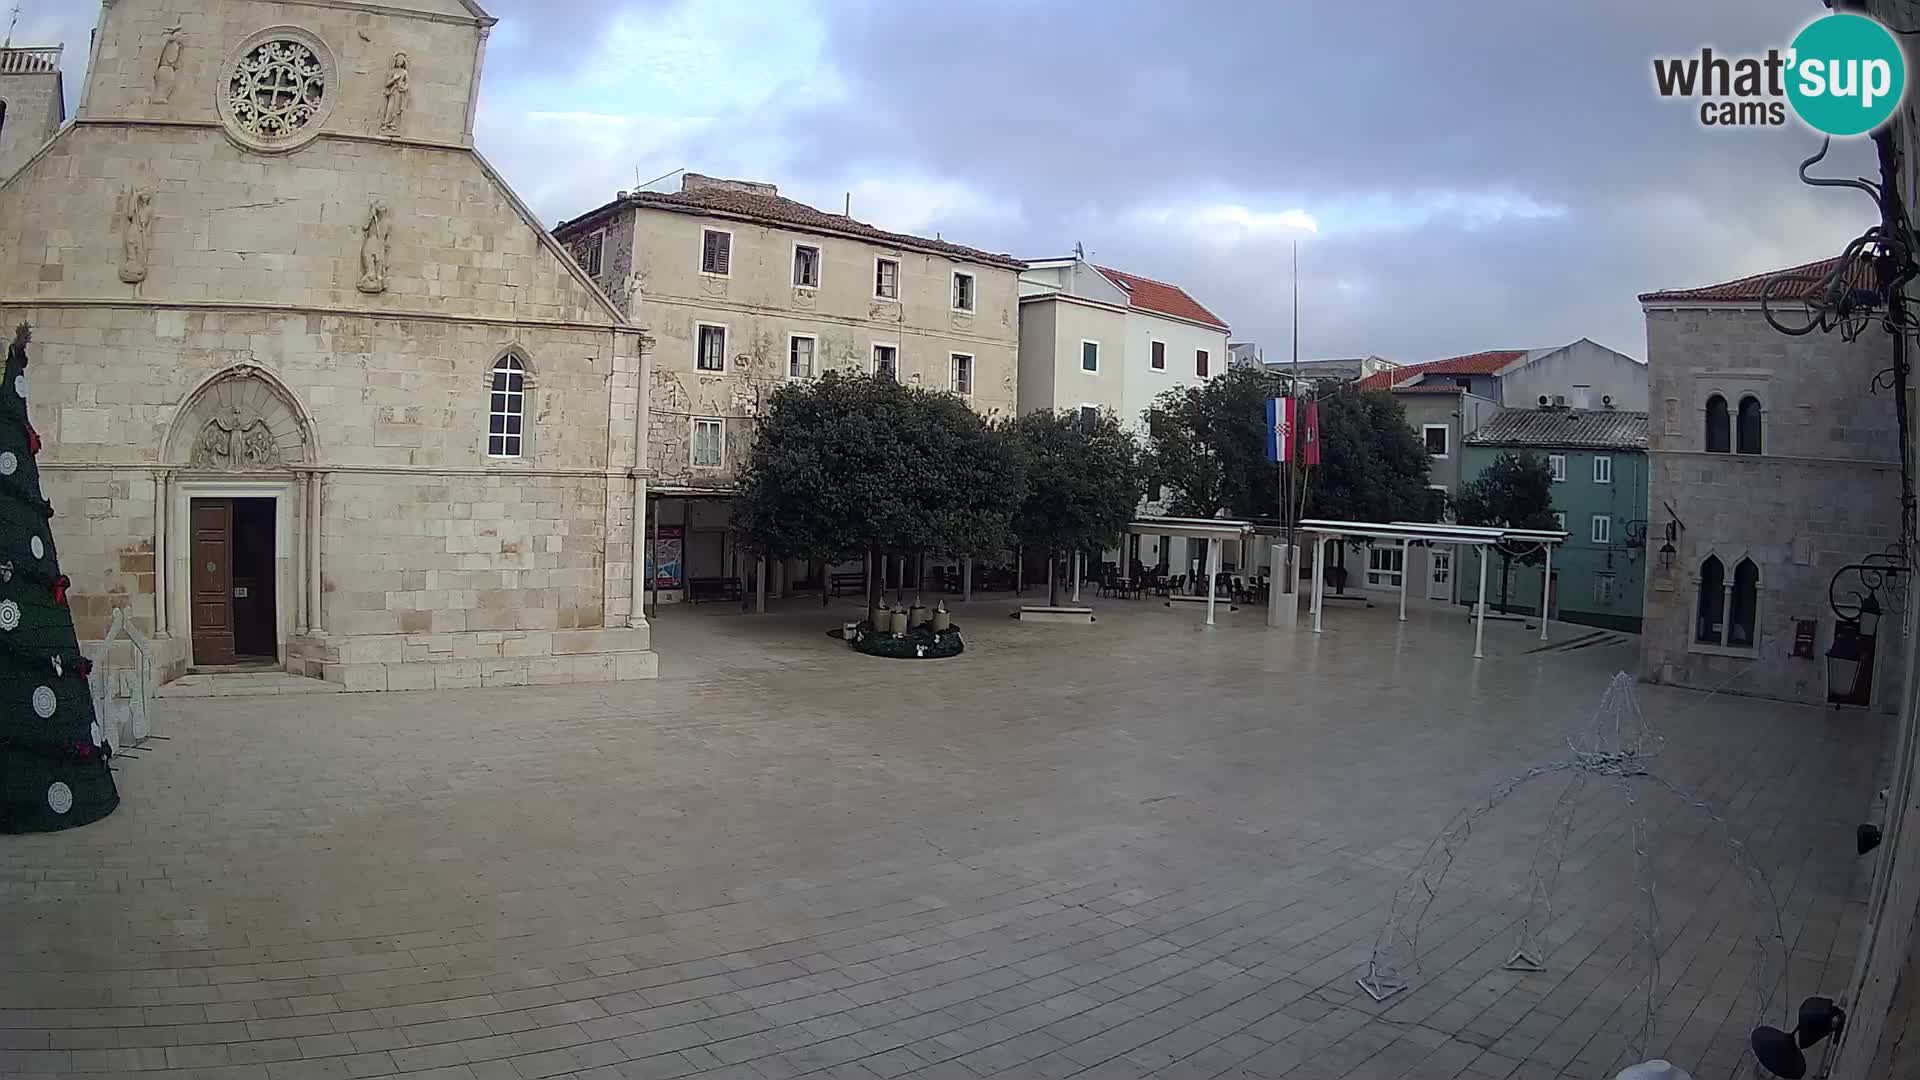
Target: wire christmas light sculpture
[(1617, 746)]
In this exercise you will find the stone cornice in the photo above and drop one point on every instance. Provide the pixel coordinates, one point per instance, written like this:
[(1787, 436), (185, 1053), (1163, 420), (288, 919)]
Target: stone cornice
[(1786, 459), (188, 472), (215, 125), (398, 315)]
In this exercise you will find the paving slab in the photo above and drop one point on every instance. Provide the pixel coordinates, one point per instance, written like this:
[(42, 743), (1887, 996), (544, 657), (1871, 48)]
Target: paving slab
[(1142, 847)]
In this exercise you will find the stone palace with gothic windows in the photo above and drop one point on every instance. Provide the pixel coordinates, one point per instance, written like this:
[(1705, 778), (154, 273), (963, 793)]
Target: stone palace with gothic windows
[(318, 391)]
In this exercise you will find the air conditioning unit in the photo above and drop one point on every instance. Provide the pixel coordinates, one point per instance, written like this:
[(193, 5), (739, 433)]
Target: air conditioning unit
[(1543, 401), (1559, 401), (1606, 401)]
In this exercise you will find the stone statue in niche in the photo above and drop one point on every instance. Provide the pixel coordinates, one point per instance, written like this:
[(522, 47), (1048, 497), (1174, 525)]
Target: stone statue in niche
[(395, 107), (373, 250), (167, 71), (136, 222), (236, 440)]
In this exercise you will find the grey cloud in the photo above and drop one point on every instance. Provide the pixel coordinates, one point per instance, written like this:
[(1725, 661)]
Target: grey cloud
[(1070, 114)]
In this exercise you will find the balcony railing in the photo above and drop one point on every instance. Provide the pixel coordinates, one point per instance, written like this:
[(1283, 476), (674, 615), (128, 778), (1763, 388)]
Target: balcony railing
[(30, 61)]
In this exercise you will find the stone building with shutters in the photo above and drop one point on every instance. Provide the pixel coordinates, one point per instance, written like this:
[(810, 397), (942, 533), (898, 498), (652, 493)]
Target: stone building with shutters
[(1773, 466), (744, 290), (318, 391)]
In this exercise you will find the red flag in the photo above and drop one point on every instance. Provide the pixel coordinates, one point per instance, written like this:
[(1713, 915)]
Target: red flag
[(1310, 430)]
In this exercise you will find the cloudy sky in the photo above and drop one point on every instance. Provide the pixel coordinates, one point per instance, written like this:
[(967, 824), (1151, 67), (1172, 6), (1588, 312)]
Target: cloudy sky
[(1459, 177)]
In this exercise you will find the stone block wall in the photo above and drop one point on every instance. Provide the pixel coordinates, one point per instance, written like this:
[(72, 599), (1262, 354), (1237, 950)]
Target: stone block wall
[(650, 259), (233, 226), (1824, 493), (442, 51), (34, 112)]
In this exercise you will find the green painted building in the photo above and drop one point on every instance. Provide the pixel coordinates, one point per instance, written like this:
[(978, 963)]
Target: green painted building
[(1599, 462)]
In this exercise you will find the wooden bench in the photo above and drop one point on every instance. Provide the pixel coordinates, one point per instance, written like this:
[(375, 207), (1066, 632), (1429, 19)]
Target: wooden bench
[(852, 581), (713, 588)]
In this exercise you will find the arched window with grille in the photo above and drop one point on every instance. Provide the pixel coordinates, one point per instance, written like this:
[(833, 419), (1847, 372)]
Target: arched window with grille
[(507, 409), (1709, 623), (1747, 429), (1744, 604), (1719, 428)]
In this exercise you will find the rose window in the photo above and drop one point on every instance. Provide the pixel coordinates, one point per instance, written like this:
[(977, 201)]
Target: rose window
[(276, 89)]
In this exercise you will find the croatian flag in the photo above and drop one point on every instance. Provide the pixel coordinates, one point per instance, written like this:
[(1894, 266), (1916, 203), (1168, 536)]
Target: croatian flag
[(1279, 429)]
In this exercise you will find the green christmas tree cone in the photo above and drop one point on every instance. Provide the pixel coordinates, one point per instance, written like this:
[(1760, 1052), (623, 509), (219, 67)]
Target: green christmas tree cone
[(53, 753)]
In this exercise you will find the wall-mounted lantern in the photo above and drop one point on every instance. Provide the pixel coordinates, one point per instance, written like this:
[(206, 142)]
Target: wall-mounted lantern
[(1856, 627)]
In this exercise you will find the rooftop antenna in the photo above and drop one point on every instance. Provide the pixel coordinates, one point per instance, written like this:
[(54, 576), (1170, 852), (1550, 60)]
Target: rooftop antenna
[(15, 21), (655, 180), (1080, 251)]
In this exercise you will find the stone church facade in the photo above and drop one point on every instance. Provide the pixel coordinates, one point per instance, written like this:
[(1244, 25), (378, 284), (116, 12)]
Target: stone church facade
[(317, 390)]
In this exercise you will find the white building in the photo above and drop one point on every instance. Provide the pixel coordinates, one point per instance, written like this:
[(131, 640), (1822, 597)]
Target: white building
[(1095, 337), (1092, 337)]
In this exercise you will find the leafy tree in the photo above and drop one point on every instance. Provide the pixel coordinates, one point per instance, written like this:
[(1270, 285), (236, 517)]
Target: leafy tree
[(1515, 492), (1207, 444), (1372, 465), (1083, 483), (847, 465)]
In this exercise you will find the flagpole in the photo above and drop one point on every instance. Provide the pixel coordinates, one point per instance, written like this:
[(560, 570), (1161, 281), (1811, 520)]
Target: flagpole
[(1290, 482)]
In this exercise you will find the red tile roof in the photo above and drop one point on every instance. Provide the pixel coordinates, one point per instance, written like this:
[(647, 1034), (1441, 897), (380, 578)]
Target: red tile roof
[(1160, 297), (1747, 290), (1480, 363)]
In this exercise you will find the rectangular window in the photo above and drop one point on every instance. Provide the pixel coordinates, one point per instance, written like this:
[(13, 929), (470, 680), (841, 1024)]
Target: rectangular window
[(716, 252), (1200, 362), (1560, 521), (886, 279), (806, 266), (1603, 588), (1384, 565), (588, 251), (1436, 436), (962, 374), (962, 291), (1089, 356), (1159, 356), (886, 362), (1089, 417), (1602, 529), (799, 357), (1603, 470), (711, 351), (1557, 465), (709, 443)]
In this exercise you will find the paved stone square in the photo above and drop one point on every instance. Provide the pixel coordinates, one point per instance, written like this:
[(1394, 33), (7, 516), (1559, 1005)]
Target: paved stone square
[(1142, 848)]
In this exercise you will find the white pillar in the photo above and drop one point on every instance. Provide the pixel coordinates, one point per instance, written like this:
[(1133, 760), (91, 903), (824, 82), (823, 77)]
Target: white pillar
[(316, 611), (1319, 576), (636, 610), (760, 586), (1405, 568), (1480, 608), (1079, 560), (1213, 569), (1546, 586), (966, 578), (161, 617)]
